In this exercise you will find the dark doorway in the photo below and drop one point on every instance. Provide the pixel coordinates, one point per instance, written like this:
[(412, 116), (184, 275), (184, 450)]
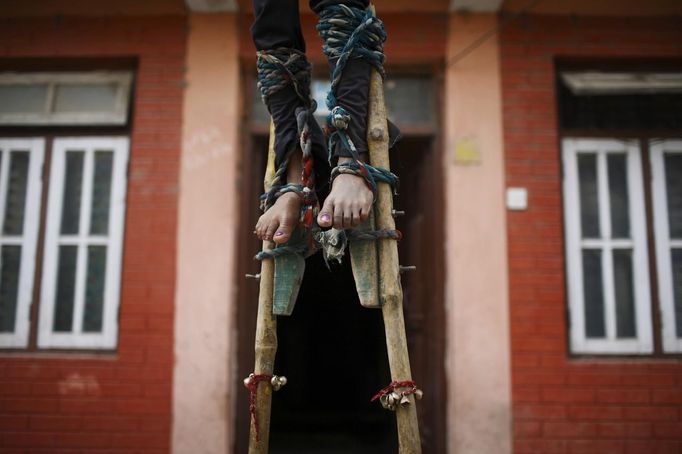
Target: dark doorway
[(333, 350)]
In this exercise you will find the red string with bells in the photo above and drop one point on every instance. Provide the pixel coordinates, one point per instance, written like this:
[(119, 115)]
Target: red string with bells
[(410, 384), (252, 384)]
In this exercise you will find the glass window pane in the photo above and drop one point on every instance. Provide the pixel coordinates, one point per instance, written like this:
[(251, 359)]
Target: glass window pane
[(618, 195), (259, 113), (94, 290), (9, 286), (101, 189), (625, 298), (16, 193), (589, 204), (66, 288), (85, 98), (23, 98), (594, 299), (673, 188), (319, 89), (73, 180), (676, 256), (410, 100)]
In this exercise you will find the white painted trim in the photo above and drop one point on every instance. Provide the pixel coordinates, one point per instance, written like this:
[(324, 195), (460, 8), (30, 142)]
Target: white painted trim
[(671, 343), (212, 6), (479, 6), (118, 116), (603, 83), (643, 344), (114, 242), (29, 238)]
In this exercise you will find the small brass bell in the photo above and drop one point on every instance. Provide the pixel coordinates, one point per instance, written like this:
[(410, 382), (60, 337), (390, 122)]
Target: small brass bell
[(384, 401), (278, 382), (391, 407), (419, 394), (247, 380), (394, 398), (404, 401)]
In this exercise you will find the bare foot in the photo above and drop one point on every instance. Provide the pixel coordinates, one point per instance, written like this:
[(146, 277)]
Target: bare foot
[(279, 221), (348, 203)]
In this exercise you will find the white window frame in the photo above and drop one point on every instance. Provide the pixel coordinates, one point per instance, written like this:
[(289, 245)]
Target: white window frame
[(118, 116), (29, 238), (671, 343), (574, 244), (107, 339)]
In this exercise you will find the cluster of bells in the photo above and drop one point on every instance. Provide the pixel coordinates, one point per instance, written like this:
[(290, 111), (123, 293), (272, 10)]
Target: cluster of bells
[(391, 400), (276, 381)]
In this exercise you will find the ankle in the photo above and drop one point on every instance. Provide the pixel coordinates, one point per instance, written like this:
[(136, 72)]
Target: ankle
[(364, 157)]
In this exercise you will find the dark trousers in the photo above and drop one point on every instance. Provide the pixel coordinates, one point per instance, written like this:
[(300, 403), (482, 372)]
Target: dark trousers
[(276, 25), (277, 22)]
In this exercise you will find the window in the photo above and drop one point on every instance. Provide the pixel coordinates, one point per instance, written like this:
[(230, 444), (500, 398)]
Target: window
[(21, 162), (666, 185), (62, 208), (621, 125), (68, 98), (83, 243), (606, 249), (410, 101), (81, 264)]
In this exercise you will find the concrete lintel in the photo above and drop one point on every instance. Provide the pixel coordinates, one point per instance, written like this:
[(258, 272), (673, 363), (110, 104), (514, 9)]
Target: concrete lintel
[(479, 6), (211, 6)]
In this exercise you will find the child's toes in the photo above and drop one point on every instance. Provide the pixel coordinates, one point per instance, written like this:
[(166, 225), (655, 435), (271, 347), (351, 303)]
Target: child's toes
[(283, 233), (326, 216), (271, 229)]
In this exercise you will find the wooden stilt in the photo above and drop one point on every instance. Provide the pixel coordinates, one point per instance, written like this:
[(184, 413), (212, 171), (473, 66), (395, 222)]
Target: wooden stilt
[(390, 289), (377, 273), (266, 332)]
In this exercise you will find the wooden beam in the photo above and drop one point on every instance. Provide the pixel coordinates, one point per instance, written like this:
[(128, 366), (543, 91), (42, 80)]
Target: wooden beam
[(478, 6), (390, 288), (212, 6), (266, 331)]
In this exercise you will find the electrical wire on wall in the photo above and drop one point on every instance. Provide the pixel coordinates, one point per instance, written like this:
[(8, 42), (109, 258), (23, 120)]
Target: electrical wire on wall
[(485, 36)]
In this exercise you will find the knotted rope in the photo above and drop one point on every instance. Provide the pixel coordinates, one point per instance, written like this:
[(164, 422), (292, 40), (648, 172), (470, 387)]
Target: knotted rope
[(347, 33), (350, 32), (371, 174), (277, 69)]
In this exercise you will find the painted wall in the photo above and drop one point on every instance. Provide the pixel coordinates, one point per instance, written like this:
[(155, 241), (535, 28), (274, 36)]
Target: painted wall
[(565, 404), (479, 406), (413, 40), (61, 402), (16, 8), (592, 8), (207, 227)]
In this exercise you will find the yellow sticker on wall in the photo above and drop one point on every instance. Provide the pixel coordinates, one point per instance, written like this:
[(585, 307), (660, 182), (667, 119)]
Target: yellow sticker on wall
[(467, 152)]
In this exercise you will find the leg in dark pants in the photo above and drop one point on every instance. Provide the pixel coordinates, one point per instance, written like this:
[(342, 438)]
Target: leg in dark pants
[(276, 25)]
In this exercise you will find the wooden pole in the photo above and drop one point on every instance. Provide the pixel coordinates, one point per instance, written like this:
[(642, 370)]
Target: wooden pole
[(390, 289), (266, 332)]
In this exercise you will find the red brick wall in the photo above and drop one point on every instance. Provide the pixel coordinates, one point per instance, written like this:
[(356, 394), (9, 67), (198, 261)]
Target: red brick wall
[(413, 39), (563, 404), (114, 402)]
